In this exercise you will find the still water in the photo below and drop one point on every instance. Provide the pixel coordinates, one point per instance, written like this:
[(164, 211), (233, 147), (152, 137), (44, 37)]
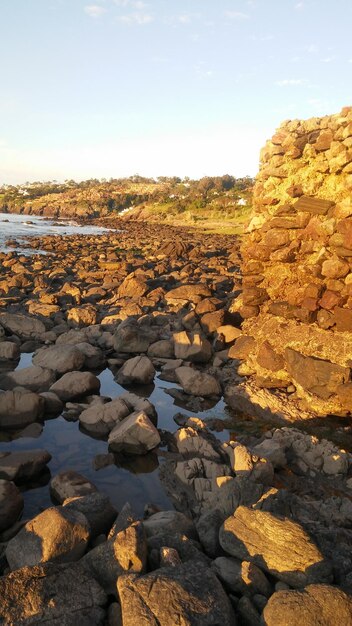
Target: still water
[(19, 227)]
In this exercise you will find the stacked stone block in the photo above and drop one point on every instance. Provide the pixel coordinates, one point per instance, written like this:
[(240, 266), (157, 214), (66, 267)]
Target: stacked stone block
[(297, 265)]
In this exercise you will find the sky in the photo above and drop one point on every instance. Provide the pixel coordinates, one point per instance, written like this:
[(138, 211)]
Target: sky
[(113, 88)]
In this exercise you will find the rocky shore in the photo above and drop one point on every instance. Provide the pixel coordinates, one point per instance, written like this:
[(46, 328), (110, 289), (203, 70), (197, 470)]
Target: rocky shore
[(261, 530)]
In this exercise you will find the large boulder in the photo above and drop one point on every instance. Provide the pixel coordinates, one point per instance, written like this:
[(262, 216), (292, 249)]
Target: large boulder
[(134, 435), (61, 359), (59, 595), (278, 545), (197, 383), (314, 605), (33, 378), (188, 594), (138, 370), (192, 347), (19, 407), (57, 534), (11, 504), (21, 466), (25, 326), (75, 384)]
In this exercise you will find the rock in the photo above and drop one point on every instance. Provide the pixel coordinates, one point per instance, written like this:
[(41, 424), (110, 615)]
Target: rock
[(102, 418), (59, 595), (197, 383), (70, 484), (125, 552), (192, 347), (19, 408), (58, 534), (33, 378), (98, 510), (271, 450), (208, 526), (138, 370), (169, 522), (25, 326), (248, 613), (53, 406), (60, 359), (136, 403), (241, 578), (131, 338), (189, 293), (82, 316), (22, 466), (93, 356), (277, 545), (75, 384), (247, 465), (187, 549), (11, 504), (316, 604), (316, 375), (9, 351), (163, 349), (134, 435), (187, 594)]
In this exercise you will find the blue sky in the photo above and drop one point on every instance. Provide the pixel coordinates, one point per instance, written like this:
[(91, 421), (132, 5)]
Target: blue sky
[(112, 88)]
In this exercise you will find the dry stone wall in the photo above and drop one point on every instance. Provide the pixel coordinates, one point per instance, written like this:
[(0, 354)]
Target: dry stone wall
[(297, 265)]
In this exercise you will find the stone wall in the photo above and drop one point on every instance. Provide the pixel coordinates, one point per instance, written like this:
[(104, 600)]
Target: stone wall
[(297, 266)]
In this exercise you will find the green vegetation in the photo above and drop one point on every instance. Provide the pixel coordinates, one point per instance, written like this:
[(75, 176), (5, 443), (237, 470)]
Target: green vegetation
[(222, 203)]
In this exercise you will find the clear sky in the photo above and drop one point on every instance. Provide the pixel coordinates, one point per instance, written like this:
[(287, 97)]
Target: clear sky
[(112, 88)]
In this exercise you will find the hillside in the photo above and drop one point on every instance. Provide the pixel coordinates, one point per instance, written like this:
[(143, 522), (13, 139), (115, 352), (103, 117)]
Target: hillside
[(213, 202)]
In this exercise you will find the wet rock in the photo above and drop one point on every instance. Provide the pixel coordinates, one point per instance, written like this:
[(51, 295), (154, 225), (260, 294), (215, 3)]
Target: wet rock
[(197, 383), (192, 347), (138, 370), (11, 504), (75, 384), (19, 408), (98, 510), (33, 378), (60, 359), (22, 466), (70, 484), (125, 552), (61, 595), (102, 418), (58, 534), (278, 545), (187, 594), (316, 604), (134, 435)]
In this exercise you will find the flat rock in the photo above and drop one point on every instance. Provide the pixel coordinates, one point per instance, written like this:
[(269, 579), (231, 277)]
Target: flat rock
[(70, 484), (57, 534), (314, 605), (189, 594), (75, 384), (134, 435), (59, 595), (21, 466), (11, 504), (278, 545)]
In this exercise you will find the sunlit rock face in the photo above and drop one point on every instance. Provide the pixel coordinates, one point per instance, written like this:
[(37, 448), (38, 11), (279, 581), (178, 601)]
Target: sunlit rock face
[(297, 265)]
